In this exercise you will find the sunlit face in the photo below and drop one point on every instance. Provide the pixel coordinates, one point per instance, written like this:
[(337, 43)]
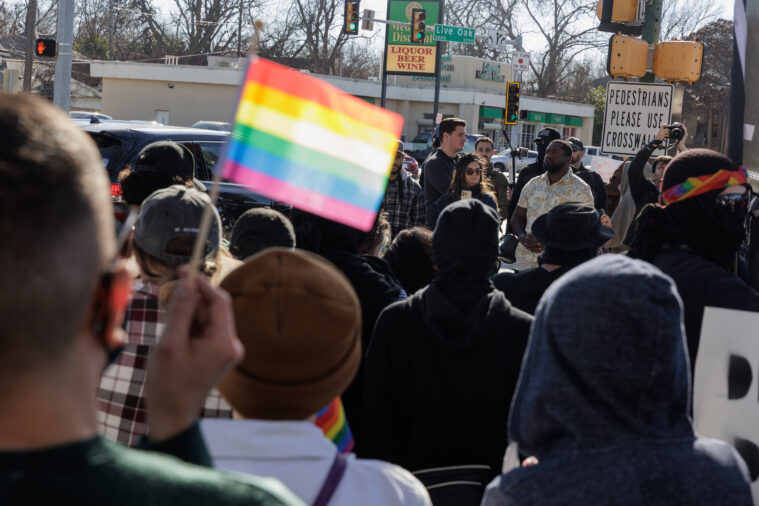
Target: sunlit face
[(472, 175), (659, 171), (397, 164), (455, 140), (485, 150)]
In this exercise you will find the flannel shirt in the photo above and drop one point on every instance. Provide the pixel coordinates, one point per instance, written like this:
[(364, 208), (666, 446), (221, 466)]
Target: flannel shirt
[(404, 203), (120, 397)]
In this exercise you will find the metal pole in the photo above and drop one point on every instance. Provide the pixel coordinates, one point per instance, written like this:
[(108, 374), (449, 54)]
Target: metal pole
[(652, 30), (438, 67), (31, 18), (62, 84), (110, 29)]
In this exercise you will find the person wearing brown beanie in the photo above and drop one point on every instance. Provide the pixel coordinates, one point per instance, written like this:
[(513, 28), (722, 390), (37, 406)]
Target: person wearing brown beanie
[(695, 236), (295, 364)]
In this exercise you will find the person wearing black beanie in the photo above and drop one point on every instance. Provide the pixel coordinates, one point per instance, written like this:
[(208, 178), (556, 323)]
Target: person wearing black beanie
[(694, 237), (442, 366)]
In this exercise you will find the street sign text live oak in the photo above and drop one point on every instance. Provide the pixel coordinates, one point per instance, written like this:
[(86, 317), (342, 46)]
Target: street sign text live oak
[(446, 33)]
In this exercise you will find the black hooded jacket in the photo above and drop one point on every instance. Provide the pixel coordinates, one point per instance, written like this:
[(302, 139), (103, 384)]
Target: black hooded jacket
[(440, 374)]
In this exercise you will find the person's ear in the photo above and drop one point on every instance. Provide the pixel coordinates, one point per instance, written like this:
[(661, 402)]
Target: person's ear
[(109, 305)]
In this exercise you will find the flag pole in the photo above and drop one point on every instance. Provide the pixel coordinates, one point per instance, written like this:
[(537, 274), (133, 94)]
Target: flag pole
[(205, 221)]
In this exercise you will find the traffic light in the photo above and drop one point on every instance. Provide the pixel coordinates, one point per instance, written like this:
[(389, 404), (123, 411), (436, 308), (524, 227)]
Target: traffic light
[(46, 47), (625, 16), (628, 57), (678, 61), (622, 11), (351, 18), (512, 103), (418, 17)]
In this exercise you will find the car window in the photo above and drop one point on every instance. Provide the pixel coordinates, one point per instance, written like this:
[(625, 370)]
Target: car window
[(211, 152)]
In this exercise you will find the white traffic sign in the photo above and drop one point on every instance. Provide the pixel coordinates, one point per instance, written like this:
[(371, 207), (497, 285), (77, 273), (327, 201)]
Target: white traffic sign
[(634, 112), (498, 39), (520, 62)]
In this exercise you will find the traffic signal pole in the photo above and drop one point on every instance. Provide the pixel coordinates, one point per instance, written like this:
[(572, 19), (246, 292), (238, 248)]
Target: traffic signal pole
[(62, 83), (652, 30), (31, 21), (438, 67)]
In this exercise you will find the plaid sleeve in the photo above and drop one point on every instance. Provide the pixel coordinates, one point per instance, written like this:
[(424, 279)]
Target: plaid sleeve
[(419, 209)]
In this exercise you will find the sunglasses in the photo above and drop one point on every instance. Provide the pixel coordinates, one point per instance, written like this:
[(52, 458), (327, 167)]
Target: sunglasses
[(732, 200), (472, 172)]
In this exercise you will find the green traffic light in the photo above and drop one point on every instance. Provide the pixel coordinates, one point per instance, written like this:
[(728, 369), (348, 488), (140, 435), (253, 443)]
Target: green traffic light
[(418, 35), (352, 26)]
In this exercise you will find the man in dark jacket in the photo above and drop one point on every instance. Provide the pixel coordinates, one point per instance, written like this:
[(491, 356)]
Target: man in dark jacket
[(438, 168), (533, 170), (442, 365), (603, 400), (571, 234), (695, 238), (370, 277), (592, 179)]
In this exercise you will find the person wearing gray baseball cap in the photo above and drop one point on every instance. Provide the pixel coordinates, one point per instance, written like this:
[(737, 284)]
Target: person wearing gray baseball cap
[(164, 236), (159, 165)]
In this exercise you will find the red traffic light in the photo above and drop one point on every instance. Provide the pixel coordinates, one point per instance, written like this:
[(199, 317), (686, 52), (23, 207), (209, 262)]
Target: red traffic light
[(46, 47)]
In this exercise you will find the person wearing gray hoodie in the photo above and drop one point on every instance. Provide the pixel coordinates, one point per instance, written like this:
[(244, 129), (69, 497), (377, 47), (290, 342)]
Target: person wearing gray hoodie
[(603, 399)]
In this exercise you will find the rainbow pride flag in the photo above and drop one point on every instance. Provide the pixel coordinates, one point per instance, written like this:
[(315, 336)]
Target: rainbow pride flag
[(331, 420), (301, 141)]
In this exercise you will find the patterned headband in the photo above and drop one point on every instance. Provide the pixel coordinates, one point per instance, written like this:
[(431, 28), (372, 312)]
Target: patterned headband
[(694, 186)]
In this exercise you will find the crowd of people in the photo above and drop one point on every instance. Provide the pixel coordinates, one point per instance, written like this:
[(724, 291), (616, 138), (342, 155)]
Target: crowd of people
[(306, 362)]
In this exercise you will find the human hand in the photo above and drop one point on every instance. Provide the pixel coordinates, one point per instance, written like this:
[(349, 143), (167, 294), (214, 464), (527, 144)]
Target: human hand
[(198, 347), (532, 244), (663, 132), (681, 143), (605, 220)]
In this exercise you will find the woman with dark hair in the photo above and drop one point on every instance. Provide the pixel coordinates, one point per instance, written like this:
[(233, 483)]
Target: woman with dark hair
[(467, 183), (410, 257), (694, 237)]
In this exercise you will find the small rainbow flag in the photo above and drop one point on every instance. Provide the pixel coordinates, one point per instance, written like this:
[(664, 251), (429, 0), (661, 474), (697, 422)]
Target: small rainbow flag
[(301, 141), (331, 420)]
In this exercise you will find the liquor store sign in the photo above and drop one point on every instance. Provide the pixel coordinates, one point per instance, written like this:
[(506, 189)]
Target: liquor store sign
[(634, 112), (401, 56)]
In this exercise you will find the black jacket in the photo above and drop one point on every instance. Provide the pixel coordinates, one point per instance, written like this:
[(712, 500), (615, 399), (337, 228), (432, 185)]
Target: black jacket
[(376, 288), (533, 170), (440, 373), (437, 173), (703, 283), (597, 186), (524, 289)]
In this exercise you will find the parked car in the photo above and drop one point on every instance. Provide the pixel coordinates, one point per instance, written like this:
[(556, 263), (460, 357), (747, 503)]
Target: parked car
[(502, 161), (421, 147), (88, 115), (412, 167), (591, 151), (120, 142), (213, 125)]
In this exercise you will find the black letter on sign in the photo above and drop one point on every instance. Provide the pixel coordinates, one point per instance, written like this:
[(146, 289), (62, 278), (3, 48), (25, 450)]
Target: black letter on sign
[(738, 377), (750, 454)]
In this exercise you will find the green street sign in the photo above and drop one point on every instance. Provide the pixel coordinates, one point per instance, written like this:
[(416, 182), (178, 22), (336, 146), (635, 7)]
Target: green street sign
[(446, 33)]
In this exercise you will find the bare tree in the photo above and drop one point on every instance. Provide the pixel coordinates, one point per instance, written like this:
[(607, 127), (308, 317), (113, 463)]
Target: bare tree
[(682, 17), (568, 30)]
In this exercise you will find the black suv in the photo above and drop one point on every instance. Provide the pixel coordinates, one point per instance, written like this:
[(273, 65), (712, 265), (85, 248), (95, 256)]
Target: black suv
[(120, 142)]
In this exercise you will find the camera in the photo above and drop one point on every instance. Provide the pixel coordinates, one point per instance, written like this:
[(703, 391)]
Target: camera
[(676, 132)]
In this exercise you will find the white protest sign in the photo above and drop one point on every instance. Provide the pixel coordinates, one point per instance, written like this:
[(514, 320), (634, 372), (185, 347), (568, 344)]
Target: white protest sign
[(634, 113), (520, 61), (726, 384), (604, 166)]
